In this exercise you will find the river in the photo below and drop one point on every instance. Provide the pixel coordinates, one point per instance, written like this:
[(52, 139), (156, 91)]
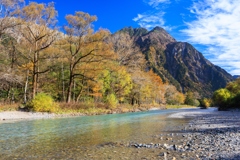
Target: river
[(86, 137)]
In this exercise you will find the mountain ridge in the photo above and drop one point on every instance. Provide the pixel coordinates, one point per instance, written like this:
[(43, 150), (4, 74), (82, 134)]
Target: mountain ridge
[(178, 63)]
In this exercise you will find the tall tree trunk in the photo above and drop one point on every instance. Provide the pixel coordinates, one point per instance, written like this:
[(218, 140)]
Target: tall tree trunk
[(69, 92), (35, 70), (25, 88), (74, 88), (79, 94), (9, 93), (34, 82), (71, 80), (63, 84), (12, 101), (37, 79)]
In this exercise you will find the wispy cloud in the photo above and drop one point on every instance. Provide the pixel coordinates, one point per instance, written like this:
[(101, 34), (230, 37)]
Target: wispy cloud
[(153, 18), (156, 3), (217, 26), (148, 20)]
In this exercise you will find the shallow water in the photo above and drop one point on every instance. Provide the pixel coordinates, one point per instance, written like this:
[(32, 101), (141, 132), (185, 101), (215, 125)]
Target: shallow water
[(83, 137)]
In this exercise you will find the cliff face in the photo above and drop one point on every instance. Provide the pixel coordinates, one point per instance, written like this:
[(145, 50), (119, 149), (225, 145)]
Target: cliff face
[(192, 70), (178, 63)]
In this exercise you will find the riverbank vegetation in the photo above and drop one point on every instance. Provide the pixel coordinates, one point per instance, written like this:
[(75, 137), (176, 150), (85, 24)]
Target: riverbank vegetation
[(179, 106), (75, 70), (228, 97)]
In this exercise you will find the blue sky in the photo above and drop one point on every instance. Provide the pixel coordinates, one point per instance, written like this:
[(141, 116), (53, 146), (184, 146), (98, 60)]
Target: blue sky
[(212, 26)]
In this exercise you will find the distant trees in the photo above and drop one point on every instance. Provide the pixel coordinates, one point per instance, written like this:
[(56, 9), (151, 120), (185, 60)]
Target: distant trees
[(229, 97), (173, 96), (10, 78), (128, 54), (192, 98), (9, 13)]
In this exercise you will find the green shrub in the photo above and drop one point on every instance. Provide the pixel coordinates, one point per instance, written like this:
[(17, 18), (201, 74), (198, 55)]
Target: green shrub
[(42, 103), (222, 98), (191, 99), (235, 101), (205, 103), (112, 101)]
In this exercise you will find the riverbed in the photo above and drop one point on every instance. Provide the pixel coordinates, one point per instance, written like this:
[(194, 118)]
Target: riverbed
[(86, 137), (158, 134)]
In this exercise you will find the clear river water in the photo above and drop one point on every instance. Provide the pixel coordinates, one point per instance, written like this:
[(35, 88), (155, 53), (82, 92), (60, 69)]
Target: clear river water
[(85, 137)]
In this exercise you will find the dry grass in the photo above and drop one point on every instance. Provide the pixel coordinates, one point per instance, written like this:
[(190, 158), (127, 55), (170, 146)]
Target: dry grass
[(9, 107), (179, 106), (87, 108), (98, 108)]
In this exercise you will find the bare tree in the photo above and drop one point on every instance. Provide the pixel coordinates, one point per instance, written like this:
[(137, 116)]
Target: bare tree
[(37, 34), (128, 53)]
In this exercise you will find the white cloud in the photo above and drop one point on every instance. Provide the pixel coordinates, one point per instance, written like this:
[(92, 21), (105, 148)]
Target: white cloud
[(154, 18), (217, 25), (149, 21), (155, 3)]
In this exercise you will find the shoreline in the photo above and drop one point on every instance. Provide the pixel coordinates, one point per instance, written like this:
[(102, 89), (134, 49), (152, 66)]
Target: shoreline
[(24, 115), (21, 115), (209, 134), (13, 116)]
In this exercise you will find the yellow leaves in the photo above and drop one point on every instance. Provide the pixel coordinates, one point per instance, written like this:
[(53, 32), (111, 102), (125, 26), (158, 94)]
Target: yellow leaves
[(11, 3), (149, 86), (50, 10), (152, 53), (27, 66), (155, 78), (173, 96), (124, 81), (33, 10), (96, 90), (180, 97), (117, 82), (79, 24), (40, 13)]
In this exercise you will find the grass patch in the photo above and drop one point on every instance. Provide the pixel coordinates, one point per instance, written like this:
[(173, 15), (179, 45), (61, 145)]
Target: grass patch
[(9, 107), (82, 108), (179, 106)]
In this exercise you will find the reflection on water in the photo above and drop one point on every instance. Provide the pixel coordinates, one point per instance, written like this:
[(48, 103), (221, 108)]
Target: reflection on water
[(67, 138)]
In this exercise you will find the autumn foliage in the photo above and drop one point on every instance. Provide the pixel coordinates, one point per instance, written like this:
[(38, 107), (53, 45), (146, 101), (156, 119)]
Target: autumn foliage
[(39, 64), (228, 97)]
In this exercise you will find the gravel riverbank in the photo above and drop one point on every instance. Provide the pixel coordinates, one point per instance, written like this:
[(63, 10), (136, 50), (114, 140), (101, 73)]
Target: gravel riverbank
[(214, 135), (20, 115), (210, 135)]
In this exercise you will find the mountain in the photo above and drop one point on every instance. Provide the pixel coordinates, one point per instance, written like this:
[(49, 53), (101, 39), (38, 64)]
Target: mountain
[(236, 76), (178, 63)]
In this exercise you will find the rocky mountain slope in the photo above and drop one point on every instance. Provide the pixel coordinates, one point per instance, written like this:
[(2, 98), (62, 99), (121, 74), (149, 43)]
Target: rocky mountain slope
[(178, 63)]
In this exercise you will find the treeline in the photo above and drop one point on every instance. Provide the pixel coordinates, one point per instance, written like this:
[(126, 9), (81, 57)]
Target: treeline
[(228, 97), (77, 65)]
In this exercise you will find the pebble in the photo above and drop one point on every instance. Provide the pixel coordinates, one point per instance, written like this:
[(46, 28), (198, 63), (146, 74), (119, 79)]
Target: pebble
[(210, 136)]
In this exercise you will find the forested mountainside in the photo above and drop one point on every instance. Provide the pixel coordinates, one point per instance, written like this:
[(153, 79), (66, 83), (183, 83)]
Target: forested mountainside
[(42, 62), (178, 63)]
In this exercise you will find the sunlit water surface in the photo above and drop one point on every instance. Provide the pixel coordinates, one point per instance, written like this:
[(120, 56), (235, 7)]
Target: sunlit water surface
[(82, 137)]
